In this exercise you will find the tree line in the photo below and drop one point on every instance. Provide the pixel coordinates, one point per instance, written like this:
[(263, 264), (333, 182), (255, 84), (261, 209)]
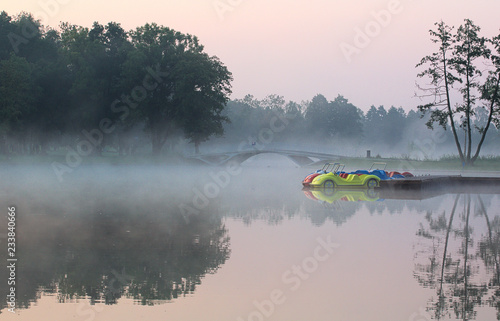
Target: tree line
[(153, 89), (337, 126), (106, 82)]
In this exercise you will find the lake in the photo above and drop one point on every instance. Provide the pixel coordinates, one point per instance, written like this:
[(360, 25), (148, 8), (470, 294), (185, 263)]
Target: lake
[(240, 243)]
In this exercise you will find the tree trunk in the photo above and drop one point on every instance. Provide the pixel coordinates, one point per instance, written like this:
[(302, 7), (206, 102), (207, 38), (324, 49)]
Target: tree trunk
[(490, 117), (158, 139), (450, 112), (156, 146), (44, 144), (467, 110), (4, 148)]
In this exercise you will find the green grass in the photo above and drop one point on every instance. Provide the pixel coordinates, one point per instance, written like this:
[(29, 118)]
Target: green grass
[(104, 159), (446, 163)]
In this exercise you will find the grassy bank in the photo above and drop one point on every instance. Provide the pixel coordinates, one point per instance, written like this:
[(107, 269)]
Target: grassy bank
[(105, 159), (444, 164), (487, 163)]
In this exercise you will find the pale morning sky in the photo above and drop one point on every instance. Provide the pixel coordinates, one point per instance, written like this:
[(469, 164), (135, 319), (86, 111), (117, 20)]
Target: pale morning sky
[(365, 50)]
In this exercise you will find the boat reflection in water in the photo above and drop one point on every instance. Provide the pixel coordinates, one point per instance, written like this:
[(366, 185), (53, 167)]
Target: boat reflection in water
[(331, 195), (126, 241), (456, 253)]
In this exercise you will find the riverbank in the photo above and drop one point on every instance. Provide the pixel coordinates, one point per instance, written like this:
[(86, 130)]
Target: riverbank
[(486, 164)]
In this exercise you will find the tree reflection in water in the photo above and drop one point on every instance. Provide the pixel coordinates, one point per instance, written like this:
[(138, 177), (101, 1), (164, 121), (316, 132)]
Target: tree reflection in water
[(126, 238), (459, 260), (105, 250)]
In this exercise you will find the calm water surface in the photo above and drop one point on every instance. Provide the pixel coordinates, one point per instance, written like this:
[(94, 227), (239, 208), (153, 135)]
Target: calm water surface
[(149, 243)]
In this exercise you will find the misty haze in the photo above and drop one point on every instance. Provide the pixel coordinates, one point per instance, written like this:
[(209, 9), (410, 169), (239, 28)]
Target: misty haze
[(145, 176)]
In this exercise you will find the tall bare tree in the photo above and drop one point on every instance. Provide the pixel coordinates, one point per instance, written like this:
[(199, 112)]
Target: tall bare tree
[(458, 85)]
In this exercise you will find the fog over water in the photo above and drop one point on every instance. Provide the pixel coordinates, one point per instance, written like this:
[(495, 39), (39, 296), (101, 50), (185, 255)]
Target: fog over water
[(179, 242), (152, 154)]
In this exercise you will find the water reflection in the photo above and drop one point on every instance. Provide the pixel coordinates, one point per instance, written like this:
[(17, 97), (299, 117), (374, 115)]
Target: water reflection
[(337, 205), (126, 238), (102, 243), (335, 196), (458, 257)]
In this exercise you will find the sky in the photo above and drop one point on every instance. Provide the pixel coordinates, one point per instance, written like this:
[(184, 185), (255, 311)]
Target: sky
[(364, 50)]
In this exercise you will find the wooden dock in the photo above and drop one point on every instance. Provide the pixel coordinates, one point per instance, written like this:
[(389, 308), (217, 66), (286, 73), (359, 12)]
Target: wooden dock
[(420, 187)]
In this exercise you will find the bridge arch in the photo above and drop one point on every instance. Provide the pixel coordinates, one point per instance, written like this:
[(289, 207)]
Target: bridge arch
[(301, 158)]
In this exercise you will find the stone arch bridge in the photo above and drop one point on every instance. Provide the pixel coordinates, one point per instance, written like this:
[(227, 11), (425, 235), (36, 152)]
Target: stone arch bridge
[(301, 158)]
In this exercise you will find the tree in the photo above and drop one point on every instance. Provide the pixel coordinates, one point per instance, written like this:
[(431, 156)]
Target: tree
[(241, 124), (94, 58), (205, 96), (458, 63), (51, 75), (469, 48), (6, 29), (273, 102), (490, 93), (29, 48), (346, 119), (22, 36), (17, 95), (335, 118), (316, 116), (154, 78), (189, 84), (374, 124), (394, 125)]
